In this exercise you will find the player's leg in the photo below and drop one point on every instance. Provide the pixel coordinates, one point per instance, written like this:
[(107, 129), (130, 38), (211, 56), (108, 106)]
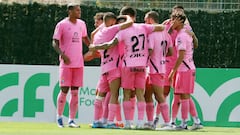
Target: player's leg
[(157, 81), (183, 87), (64, 82), (127, 85), (133, 101), (139, 84), (114, 79), (105, 104), (103, 89), (149, 104), (175, 108), (197, 123), (77, 81)]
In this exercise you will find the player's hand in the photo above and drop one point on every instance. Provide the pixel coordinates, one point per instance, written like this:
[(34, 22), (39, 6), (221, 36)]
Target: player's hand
[(66, 59), (96, 54), (171, 76), (88, 56), (92, 47)]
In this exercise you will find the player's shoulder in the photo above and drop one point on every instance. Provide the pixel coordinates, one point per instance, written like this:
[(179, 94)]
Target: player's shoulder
[(63, 21), (80, 21)]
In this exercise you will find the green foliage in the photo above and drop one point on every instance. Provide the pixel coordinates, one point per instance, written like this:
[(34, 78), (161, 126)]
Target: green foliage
[(26, 34)]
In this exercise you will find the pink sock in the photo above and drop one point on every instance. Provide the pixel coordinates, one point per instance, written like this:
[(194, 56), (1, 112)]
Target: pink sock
[(175, 107), (127, 109), (105, 105), (73, 104), (98, 109), (133, 101), (61, 101), (185, 108), (112, 112), (192, 108), (149, 111), (158, 110), (165, 112), (118, 114), (141, 110)]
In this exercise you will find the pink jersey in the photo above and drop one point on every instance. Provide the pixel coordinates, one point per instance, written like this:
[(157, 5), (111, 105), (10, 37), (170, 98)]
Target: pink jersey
[(135, 41), (70, 41), (185, 42), (171, 60), (159, 42), (110, 58), (121, 52)]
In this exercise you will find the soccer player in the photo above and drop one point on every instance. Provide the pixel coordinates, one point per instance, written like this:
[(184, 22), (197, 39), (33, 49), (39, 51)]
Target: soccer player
[(133, 72), (170, 61), (184, 69), (109, 63), (67, 42), (160, 46), (98, 19)]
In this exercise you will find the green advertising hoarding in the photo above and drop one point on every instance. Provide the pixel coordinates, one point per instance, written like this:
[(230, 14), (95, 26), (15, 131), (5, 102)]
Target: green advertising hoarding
[(28, 93)]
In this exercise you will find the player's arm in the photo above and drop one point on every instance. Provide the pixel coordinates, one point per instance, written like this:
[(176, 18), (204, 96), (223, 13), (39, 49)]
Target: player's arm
[(86, 40), (93, 33), (177, 64), (166, 21), (195, 39), (55, 44), (104, 46), (126, 24), (159, 27), (170, 51), (150, 51)]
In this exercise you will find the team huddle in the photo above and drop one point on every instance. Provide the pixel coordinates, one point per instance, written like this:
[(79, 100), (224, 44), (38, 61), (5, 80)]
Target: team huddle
[(144, 59)]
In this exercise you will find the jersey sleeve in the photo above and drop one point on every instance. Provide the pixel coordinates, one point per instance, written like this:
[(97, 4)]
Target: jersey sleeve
[(181, 42), (150, 42), (188, 27), (112, 30), (149, 28), (57, 32), (84, 29)]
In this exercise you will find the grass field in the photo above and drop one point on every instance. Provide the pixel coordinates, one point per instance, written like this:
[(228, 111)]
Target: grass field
[(20, 128)]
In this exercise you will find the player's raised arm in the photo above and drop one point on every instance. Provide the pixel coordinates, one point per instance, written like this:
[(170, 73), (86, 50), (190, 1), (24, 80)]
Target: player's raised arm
[(104, 46), (159, 27), (93, 33), (126, 24), (195, 39)]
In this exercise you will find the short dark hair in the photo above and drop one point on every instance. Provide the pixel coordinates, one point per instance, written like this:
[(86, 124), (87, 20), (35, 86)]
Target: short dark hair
[(154, 15), (128, 11), (109, 15), (71, 6), (120, 18), (99, 16), (178, 6)]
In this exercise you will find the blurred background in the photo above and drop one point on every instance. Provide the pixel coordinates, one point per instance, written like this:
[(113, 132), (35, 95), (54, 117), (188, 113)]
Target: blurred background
[(26, 28)]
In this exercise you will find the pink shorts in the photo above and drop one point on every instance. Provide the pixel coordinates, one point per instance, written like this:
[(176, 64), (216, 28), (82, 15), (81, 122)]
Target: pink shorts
[(184, 83), (133, 77), (107, 78), (71, 77), (157, 79)]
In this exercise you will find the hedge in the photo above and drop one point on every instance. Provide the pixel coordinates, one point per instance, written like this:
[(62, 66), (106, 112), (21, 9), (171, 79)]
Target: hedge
[(26, 34)]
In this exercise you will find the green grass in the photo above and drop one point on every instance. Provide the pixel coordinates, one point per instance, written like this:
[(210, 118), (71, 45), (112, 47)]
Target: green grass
[(27, 128)]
